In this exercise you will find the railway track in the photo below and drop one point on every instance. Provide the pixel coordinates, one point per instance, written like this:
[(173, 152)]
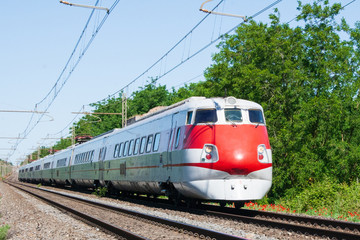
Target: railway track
[(300, 224), (308, 226), (305, 225), (134, 225)]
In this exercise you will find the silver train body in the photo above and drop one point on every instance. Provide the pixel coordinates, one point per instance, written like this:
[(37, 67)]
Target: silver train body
[(200, 148)]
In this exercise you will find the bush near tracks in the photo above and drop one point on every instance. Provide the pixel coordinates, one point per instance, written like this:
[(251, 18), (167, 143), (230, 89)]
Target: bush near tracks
[(327, 198), (4, 228), (3, 231)]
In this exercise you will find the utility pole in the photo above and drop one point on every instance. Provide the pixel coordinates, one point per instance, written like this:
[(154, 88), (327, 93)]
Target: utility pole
[(124, 110), (73, 135)]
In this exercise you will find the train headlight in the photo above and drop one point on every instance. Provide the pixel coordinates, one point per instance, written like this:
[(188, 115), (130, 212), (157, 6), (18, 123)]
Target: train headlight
[(262, 154), (208, 148), (209, 153)]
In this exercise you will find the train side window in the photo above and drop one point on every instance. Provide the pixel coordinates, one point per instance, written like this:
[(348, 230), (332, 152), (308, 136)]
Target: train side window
[(205, 116), (256, 116), (126, 144), (102, 153), (47, 165), (149, 143), (137, 145), (177, 139), (131, 147), (189, 117), (119, 153), (156, 142), (92, 155), (142, 145), (116, 150)]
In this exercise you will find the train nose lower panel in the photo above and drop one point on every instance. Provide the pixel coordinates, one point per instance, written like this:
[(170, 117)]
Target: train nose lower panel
[(234, 189)]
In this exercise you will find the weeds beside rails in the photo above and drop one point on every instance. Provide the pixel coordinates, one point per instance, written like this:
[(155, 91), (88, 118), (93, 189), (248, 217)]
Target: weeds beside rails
[(4, 228), (100, 191), (324, 212)]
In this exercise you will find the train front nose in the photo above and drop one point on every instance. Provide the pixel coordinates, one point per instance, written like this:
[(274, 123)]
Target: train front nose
[(246, 152)]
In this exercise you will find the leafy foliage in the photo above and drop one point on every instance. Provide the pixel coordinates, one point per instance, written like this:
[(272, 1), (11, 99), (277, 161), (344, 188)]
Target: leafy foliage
[(307, 80), (100, 191), (4, 231)]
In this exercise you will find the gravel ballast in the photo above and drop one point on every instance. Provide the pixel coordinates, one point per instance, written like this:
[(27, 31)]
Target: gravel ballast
[(31, 219)]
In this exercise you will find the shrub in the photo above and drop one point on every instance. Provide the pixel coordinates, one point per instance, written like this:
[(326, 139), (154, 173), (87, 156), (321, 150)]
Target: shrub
[(3, 231), (100, 191), (327, 198)]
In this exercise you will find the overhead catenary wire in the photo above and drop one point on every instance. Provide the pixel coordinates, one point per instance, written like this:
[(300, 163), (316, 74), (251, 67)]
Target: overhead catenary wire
[(161, 58), (191, 56), (57, 87)]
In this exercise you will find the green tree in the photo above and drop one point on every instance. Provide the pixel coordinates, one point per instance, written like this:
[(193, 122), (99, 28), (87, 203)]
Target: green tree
[(140, 102), (307, 80)]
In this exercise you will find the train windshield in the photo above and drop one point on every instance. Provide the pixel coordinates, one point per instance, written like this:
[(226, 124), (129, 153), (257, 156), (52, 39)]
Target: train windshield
[(233, 115), (256, 116), (205, 116)]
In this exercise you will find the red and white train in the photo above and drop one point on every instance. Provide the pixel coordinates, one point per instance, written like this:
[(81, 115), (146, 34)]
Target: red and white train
[(201, 148)]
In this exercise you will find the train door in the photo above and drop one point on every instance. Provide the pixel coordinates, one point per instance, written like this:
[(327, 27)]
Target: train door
[(171, 139), (177, 121), (52, 170)]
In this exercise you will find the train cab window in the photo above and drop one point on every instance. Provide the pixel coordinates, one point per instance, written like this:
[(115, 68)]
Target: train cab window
[(177, 139), (126, 148), (137, 145), (189, 117), (205, 116), (256, 116), (149, 143), (233, 115), (142, 145), (131, 147), (156, 142)]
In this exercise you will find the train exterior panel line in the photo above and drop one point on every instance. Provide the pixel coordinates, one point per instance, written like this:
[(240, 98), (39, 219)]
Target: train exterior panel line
[(200, 148)]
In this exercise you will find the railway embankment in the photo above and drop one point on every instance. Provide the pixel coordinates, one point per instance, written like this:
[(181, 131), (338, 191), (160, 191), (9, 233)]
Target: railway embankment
[(31, 219)]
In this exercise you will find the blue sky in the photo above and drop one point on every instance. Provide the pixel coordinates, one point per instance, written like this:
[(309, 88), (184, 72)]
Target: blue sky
[(38, 37)]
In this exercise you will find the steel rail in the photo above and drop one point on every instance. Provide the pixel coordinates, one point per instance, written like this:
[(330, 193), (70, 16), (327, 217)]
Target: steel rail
[(95, 221), (175, 224), (305, 219), (248, 216)]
